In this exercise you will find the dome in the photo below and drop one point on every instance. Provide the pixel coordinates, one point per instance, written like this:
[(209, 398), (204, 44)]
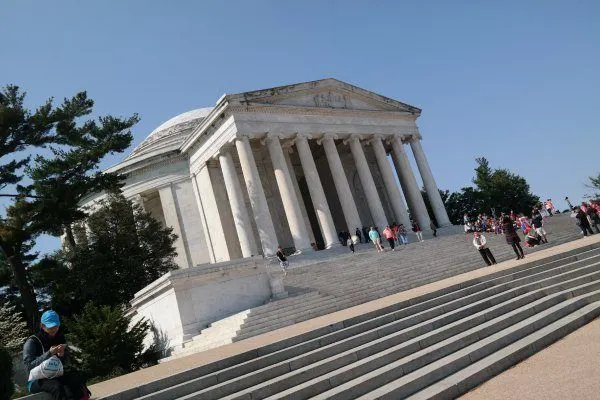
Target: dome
[(170, 134)]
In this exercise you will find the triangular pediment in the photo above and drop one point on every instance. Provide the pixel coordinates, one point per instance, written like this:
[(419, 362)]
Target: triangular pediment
[(326, 93)]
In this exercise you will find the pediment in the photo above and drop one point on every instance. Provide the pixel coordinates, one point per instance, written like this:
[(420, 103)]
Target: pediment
[(326, 93)]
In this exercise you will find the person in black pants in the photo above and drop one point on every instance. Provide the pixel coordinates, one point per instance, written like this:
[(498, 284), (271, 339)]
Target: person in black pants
[(582, 221), (48, 342), (481, 244), (359, 235), (512, 237)]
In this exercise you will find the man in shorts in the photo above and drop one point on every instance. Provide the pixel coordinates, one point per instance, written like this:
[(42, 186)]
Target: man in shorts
[(374, 236)]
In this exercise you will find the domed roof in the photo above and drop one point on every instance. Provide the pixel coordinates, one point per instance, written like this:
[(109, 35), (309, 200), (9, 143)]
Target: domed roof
[(170, 134)]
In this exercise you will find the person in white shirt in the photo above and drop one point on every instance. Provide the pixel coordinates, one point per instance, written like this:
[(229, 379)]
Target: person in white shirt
[(481, 244)]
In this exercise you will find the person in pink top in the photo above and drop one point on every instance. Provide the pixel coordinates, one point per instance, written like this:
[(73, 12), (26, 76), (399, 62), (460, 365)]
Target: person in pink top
[(391, 238)]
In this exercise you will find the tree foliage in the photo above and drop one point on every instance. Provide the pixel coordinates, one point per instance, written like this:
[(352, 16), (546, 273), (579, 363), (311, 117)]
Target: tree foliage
[(595, 184), (7, 387), (49, 203), (108, 342), (495, 189), (124, 250), (13, 328)]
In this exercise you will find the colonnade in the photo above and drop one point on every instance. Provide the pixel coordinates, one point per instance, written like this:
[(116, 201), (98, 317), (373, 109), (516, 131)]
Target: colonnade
[(291, 202)]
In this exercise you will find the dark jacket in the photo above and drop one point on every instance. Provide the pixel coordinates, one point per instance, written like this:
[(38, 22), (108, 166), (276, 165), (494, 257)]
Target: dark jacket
[(510, 233), (34, 352), (536, 221)]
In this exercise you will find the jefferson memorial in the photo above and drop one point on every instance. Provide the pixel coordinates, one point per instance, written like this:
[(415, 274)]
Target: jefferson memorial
[(291, 166)]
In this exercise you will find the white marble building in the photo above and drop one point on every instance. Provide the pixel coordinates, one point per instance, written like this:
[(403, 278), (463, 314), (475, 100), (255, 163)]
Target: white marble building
[(291, 165)]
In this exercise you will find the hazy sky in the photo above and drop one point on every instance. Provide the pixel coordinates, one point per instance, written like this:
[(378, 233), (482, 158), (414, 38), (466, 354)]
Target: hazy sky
[(517, 82)]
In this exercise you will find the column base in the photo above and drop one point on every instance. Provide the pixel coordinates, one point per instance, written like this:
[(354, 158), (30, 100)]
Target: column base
[(334, 245)]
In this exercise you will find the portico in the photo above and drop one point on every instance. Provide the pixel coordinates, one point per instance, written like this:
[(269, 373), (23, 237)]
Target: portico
[(291, 166)]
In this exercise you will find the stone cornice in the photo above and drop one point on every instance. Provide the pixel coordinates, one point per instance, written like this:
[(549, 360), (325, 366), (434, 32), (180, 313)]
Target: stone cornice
[(299, 110)]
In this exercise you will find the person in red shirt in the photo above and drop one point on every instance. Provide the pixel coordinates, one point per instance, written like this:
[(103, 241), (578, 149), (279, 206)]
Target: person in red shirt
[(389, 235)]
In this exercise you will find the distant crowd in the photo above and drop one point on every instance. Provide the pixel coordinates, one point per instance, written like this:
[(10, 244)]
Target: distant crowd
[(587, 217)]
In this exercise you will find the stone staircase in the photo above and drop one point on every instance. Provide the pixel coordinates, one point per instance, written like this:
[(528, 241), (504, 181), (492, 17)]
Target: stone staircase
[(435, 346), (345, 280)]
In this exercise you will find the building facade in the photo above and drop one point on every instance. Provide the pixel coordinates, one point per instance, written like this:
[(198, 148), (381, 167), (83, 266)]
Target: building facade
[(290, 166)]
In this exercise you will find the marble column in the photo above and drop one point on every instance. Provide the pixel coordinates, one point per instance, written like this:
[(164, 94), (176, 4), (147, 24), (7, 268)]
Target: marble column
[(409, 185), (341, 185), (433, 193), (288, 160), (288, 195), (315, 188), (258, 201), (173, 220), (203, 221), (241, 218), (366, 179), (390, 183)]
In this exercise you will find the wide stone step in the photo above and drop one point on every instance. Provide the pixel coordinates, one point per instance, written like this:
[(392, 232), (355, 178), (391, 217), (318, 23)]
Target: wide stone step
[(380, 288), (416, 352), (272, 366)]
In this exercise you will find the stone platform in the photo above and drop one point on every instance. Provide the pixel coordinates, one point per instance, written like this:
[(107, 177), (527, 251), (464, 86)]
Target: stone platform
[(516, 298), (323, 282)]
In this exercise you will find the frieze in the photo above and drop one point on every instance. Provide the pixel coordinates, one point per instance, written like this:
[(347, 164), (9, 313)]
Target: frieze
[(332, 100), (289, 110)]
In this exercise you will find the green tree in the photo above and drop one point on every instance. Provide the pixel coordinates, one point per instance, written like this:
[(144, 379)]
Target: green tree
[(17, 238), (7, 387), (49, 203), (468, 201), (125, 246), (495, 189), (595, 184), (503, 190), (109, 342), (13, 328)]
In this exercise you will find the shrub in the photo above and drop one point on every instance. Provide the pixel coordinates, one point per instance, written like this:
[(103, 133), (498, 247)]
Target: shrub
[(107, 341), (7, 387)]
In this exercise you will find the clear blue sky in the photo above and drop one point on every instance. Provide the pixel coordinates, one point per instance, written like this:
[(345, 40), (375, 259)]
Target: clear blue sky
[(517, 82)]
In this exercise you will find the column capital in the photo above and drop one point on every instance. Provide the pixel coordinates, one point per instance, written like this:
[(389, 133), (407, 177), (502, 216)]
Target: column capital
[(242, 136), (325, 136), (272, 137), (375, 137), (303, 135), (299, 136), (355, 137)]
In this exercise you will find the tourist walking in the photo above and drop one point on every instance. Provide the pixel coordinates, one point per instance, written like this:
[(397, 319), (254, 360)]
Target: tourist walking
[(46, 353), (374, 236), (480, 244), (582, 221), (417, 229), (389, 235), (350, 244), (402, 234), (512, 237), (594, 217), (433, 228), (283, 261), (549, 206), (537, 222)]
